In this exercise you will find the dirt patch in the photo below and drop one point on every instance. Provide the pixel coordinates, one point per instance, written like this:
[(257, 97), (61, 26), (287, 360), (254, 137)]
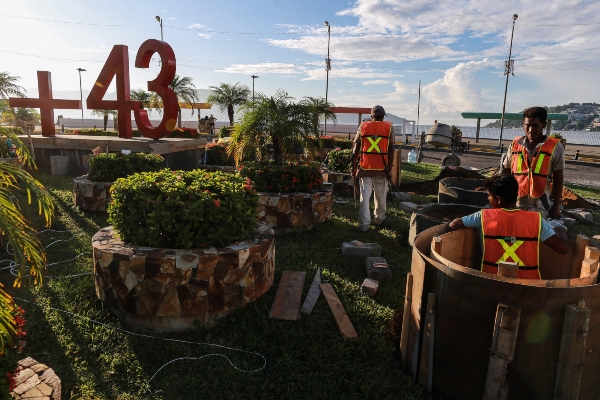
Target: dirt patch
[(431, 187), (570, 199)]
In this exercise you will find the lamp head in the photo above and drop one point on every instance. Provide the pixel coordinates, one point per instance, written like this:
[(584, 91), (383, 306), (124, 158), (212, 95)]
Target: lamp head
[(515, 16), (158, 18), (80, 69), (326, 23)]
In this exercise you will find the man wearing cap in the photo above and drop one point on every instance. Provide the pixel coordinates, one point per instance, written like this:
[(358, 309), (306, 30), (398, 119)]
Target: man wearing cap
[(373, 144)]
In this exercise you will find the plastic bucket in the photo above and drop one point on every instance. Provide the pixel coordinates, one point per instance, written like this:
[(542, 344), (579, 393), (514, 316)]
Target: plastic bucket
[(59, 165)]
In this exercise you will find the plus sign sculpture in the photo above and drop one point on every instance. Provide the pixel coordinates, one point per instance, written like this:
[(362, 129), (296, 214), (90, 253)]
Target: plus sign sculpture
[(45, 102)]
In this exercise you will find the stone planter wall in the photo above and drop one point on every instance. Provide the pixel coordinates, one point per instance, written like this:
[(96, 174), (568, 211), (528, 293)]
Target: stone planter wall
[(167, 290), (91, 196), (36, 381), (343, 184), (289, 211)]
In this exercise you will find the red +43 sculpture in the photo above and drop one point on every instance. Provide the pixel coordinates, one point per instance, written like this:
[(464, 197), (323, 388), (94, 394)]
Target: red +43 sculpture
[(116, 65)]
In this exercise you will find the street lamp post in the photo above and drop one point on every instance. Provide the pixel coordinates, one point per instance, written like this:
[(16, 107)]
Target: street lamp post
[(81, 96), (159, 19), (327, 68), (508, 69), (253, 78)]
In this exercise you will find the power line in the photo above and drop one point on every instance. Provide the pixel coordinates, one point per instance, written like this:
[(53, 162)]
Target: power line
[(61, 22)]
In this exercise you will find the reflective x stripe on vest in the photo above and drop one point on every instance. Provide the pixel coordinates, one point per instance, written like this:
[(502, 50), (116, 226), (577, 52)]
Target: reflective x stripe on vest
[(374, 136), (532, 179), (514, 236)]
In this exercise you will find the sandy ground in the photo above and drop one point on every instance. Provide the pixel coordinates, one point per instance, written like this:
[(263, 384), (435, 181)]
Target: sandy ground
[(577, 174)]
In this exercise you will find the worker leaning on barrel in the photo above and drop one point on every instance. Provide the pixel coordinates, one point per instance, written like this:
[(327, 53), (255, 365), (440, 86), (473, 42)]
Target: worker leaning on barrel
[(371, 162), (537, 160), (510, 234)]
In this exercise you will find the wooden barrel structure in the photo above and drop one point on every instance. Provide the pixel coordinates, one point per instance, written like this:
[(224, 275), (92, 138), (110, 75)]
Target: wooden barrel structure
[(434, 214), (462, 191), (467, 334)]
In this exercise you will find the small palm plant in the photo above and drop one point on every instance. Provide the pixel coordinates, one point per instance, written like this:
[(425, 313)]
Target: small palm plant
[(227, 97), (277, 121), (105, 114), (29, 254)]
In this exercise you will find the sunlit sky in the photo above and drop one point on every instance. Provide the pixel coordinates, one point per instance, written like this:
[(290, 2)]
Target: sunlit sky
[(380, 49)]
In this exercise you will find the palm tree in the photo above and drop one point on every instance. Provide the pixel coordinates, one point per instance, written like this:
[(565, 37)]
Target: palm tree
[(144, 97), (29, 253), (228, 96), (317, 105), (104, 114), (278, 121), (8, 86), (185, 90)]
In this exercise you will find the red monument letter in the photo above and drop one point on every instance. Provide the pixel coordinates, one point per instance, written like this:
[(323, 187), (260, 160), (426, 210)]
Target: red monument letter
[(160, 85), (117, 64), (45, 103)]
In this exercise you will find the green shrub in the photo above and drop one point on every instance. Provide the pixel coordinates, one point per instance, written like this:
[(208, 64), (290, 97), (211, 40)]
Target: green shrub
[(109, 167), (183, 209), (225, 131), (343, 143), (340, 161), (216, 154), (286, 178), (100, 132), (557, 135), (186, 133)]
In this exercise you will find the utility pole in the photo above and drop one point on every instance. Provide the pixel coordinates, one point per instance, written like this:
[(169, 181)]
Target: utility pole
[(327, 68), (81, 96), (508, 69), (253, 78), (159, 19)]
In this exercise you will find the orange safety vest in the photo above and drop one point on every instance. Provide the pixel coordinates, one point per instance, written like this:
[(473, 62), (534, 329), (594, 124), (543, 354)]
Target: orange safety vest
[(514, 236), (374, 139), (532, 178)]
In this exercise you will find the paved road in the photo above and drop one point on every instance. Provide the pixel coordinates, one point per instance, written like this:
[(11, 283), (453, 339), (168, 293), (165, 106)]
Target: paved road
[(578, 174)]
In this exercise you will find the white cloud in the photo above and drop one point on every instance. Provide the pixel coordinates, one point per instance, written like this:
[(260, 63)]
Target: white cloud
[(376, 82), (205, 35), (272, 68)]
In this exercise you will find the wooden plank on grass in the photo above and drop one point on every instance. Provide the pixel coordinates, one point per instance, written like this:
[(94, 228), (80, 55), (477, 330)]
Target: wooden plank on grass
[(341, 318), (288, 296), (571, 358), (313, 294)]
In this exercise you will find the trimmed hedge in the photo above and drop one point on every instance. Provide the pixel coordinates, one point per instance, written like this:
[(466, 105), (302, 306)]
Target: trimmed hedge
[(340, 161), (286, 178), (216, 154), (183, 209), (112, 166)]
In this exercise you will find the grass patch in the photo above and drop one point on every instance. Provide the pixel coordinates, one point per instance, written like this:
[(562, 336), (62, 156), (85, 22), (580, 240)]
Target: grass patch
[(587, 192), (419, 172), (306, 358)]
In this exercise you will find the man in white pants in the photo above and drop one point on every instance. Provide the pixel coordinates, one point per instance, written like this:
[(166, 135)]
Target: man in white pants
[(371, 163)]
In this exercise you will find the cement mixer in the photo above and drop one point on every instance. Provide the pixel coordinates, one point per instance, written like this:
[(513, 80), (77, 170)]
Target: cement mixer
[(442, 135)]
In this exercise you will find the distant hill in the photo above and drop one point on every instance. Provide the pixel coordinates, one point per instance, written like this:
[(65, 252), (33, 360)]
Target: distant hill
[(581, 117)]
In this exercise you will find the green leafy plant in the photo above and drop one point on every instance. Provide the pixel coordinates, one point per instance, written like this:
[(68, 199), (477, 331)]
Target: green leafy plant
[(216, 154), (183, 209), (228, 96), (225, 131), (343, 143), (186, 133), (285, 178), (557, 135), (340, 161), (109, 167)]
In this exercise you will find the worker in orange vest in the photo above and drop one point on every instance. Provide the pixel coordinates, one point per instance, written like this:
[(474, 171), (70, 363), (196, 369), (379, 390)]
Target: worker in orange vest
[(509, 233), (372, 145), (536, 160)]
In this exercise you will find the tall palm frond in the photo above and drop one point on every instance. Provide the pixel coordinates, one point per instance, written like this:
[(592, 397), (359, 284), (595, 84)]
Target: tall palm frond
[(184, 88), (144, 97), (105, 114), (227, 97), (8, 86)]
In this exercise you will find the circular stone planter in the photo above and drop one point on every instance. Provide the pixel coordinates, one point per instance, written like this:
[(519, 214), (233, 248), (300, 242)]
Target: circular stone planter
[(91, 196), (294, 211), (343, 184), (462, 191), (168, 290)]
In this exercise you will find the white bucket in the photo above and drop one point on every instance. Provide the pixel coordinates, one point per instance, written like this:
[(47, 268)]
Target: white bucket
[(59, 165)]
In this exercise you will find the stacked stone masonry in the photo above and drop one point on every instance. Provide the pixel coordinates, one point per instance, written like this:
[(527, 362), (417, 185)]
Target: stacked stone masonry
[(167, 290), (36, 381), (343, 184), (91, 196), (287, 211)]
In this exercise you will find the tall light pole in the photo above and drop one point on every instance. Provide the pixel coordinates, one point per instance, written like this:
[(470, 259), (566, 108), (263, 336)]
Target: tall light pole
[(159, 19), (508, 69), (253, 78), (327, 68), (81, 96)]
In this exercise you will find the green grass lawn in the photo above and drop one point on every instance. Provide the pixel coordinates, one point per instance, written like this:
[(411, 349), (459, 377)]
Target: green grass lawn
[(304, 359)]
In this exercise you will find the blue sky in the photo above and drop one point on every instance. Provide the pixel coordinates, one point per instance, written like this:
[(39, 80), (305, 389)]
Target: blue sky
[(380, 49)]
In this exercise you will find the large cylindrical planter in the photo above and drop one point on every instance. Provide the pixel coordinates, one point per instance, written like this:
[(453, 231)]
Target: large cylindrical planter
[(171, 290), (91, 196), (59, 165), (460, 322), (285, 212), (462, 191), (434, 214)]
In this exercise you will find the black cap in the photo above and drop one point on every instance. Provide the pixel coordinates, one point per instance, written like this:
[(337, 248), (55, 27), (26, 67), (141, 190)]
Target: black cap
[(377, 111)]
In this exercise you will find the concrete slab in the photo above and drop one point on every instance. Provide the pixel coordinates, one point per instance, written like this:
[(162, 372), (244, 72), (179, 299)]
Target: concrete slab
[(366, 250), (378, 269), (369, 287)]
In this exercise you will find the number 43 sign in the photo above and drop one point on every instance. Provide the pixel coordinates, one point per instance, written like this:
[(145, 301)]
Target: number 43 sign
[(117, 64)]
